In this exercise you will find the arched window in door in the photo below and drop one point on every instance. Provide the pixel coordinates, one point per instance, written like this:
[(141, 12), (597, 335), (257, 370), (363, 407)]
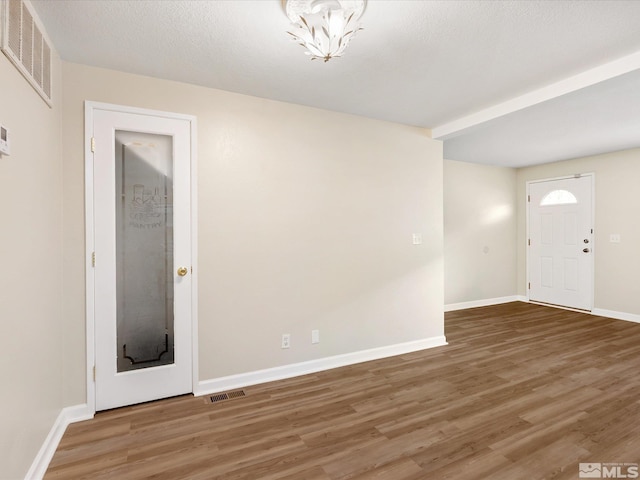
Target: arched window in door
[(558, 197)]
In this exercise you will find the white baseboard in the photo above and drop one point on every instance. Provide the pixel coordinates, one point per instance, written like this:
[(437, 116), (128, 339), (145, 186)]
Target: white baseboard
[(288, 371), (484, 303), (629, 317), (67, 416)]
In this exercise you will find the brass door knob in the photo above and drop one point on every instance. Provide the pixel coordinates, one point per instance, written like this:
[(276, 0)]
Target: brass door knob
[(182, 271)]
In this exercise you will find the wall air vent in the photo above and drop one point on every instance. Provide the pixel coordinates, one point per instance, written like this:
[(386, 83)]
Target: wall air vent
[(25, 43)]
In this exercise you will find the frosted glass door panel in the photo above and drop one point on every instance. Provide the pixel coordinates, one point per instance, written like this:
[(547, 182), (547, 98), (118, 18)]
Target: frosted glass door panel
[(140, 280), (144, 250)]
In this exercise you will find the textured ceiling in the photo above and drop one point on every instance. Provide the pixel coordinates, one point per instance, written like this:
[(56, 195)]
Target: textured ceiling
[(423, 63)]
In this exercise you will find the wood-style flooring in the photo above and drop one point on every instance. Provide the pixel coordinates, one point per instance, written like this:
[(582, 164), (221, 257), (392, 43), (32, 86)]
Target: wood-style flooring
[(522, 391)]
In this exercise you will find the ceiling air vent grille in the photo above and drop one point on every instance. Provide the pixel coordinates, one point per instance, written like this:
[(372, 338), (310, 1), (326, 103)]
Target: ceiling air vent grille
[(25, 43)]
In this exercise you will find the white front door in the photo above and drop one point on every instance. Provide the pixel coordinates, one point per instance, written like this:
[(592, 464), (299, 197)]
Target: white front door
[(561, 242), (142, 243)]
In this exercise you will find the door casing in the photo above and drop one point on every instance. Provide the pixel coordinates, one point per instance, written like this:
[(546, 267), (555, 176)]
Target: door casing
[(89, 109), (593, 238)]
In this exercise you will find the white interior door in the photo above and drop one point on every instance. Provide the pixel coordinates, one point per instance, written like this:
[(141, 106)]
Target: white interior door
[(561, 242), (142, 243)]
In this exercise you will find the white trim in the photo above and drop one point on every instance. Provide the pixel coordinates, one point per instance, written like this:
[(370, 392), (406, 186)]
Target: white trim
[(89, 248), (89, 107), (590, 77), (136, 110), (629, 317), (67, 415), (597, 312), (561, 307), (312, 366), (563, 177), (526, 239), (450, 307), (194, 255)]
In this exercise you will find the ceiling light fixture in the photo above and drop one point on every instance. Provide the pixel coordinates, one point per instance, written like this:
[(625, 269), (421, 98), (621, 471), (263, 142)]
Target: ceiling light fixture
[(324, 27)]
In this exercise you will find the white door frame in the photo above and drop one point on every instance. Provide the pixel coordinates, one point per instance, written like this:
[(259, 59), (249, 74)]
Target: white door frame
[(89, 108), (593, 238)]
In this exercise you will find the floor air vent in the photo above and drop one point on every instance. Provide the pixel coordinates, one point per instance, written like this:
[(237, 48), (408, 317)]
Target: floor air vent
[(221, 397)]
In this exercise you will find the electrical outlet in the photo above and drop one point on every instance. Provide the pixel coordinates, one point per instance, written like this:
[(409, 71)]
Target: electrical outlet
[(286, 340), (315, 336), (417, 238)]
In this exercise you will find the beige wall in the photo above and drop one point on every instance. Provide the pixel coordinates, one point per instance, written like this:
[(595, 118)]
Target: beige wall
[(305, 222), (617, 211), (31, 392), (479, 232)]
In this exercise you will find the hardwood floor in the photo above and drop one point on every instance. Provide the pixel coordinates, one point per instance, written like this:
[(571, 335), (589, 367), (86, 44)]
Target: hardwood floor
[(521, 392)]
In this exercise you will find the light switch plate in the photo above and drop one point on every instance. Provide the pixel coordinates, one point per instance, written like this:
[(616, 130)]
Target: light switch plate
[(614, 238)]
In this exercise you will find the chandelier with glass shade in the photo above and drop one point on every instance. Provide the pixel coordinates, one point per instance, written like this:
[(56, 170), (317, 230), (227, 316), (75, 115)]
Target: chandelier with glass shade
[(324, 27)]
